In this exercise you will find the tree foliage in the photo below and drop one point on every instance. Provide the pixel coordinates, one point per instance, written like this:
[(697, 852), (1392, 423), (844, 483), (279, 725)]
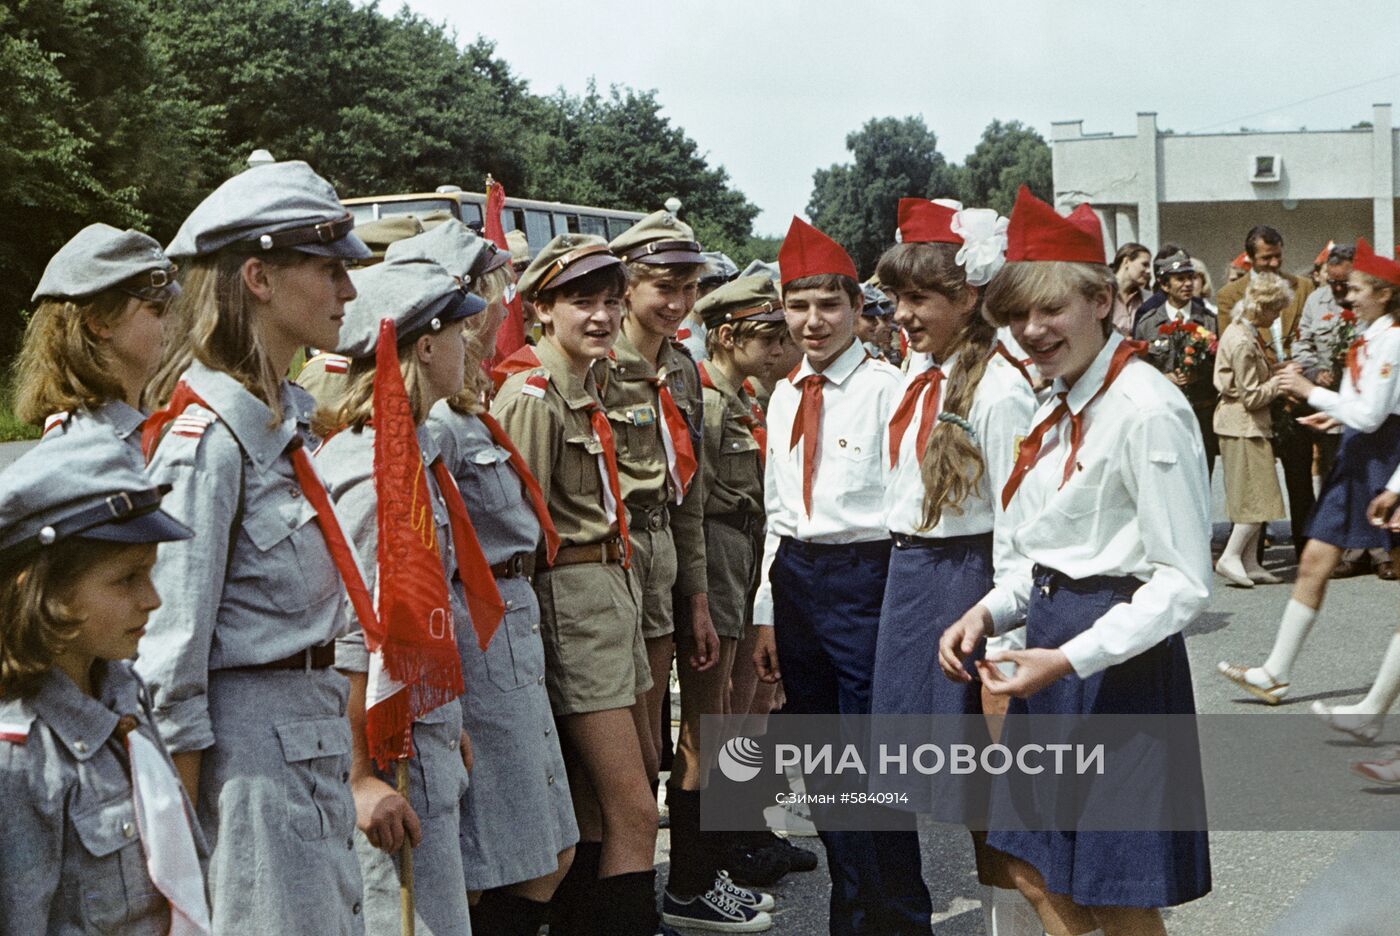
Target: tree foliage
[(857, 202), (130, 111)]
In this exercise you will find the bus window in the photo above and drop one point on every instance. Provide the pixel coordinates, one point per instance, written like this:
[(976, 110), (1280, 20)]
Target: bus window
[(616, 226), (419, 207), (512, 219), (363, 214), (537, 229), (591, 225), (471, 215), (565, 222)]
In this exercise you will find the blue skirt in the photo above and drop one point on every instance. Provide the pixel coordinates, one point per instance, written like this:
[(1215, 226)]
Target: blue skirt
[(1107, 869), (1364, 463), (932, 583)]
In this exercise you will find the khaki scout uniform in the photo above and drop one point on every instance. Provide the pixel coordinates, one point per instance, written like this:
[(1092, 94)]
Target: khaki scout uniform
[(732, 487), (595, 658), (668, 538)]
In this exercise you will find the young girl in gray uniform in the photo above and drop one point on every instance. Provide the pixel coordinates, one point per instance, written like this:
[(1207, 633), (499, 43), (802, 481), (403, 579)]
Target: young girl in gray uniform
[(98, 835), (94, 340), (239, 659), (518, 829), (428, 309)]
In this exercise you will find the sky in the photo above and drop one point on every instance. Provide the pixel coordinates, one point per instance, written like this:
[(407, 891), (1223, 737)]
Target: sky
[(769, 89)]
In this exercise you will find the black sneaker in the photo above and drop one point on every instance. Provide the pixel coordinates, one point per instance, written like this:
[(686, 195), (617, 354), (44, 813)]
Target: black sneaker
[(713, 910), (754, 900), (799, 859), (755, 867)]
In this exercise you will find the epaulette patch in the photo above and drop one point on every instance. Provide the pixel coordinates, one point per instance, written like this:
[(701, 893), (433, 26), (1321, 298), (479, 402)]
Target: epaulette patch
[(190, 425), (337, 364), (54, 421), (14, 732), (536, 385)]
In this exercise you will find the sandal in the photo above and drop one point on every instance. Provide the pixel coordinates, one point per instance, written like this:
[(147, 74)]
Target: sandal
[(1364, 728), (1270, 695), (1386, 770)]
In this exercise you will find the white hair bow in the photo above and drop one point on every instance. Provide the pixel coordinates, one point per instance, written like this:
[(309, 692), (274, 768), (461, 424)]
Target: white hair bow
[(984, 243)]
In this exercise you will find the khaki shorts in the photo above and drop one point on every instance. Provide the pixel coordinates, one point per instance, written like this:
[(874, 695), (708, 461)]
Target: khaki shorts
[(654, 575), (731, 564), (594, 655)]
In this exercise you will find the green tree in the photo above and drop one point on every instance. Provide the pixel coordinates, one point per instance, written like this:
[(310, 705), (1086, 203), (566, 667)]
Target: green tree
[(857, 203), (1008, 156)]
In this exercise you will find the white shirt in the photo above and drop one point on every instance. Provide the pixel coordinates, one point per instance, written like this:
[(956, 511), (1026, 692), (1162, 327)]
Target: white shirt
[(1137, 504), (849, 486), (1364, 408), (1178, 313), (1001, 411)]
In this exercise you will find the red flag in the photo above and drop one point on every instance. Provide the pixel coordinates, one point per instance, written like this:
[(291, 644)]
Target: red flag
[(414, 664), (512, 331)]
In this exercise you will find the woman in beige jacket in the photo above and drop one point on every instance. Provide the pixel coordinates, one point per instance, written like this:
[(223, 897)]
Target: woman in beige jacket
[(1242, 422)]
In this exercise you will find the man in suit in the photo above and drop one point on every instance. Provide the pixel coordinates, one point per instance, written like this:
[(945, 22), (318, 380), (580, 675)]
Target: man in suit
[(1177, 279), (1263, 246)]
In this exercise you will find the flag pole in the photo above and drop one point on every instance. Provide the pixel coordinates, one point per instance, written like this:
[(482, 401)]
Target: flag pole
[(405, 858)]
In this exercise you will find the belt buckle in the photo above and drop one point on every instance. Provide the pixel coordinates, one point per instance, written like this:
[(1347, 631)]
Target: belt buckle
[(306, 660), (516, 565), (656, 519), (1047, 588)]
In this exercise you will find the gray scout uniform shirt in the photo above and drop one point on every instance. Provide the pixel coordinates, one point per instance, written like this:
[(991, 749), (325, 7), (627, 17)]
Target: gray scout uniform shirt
[(121, 417), (518, 815), (257, 582), (437, 778), (72, 860)]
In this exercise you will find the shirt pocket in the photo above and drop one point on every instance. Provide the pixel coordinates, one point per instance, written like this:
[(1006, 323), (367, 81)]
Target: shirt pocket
[(580, 465), (439, 775), (636, 428), (490, 478), (114, 889), (317, 752), (509, 662), (292, 565), (738, 457), (851, 469)]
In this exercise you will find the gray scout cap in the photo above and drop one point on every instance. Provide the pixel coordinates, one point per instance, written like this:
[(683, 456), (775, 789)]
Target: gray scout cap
[(876, 304), (456, 247), (658, 238), (746, 299), (101, 257), (564, 259), (718, 268), (1178, 262), (86, 483), (419, 295), (378, 235), (283, 204), (758, 267)]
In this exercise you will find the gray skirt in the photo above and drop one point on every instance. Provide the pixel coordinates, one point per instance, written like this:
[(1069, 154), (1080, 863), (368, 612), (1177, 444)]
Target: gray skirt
[(275, 804), (517, 815)]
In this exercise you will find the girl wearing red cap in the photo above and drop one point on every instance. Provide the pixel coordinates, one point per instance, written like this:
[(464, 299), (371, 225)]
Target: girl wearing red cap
[(1108, 506), (1368, 407), (950, 446)]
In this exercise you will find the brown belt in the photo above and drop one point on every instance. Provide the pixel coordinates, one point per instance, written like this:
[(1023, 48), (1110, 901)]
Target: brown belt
[(520, 565), (322, 657), (609, 552)]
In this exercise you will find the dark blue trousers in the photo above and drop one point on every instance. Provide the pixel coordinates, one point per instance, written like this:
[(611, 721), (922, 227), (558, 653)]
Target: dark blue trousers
[(826, 615)]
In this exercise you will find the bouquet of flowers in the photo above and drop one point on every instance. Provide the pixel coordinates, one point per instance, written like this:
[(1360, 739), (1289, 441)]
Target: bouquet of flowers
[(1342, 339), (1191, 345)]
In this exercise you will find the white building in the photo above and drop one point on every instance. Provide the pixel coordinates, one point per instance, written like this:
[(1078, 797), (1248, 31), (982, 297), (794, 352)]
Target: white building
[(1205, 191)]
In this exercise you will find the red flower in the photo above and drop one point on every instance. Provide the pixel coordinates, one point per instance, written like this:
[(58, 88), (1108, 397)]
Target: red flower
[(1166, 328), (1348, 316)]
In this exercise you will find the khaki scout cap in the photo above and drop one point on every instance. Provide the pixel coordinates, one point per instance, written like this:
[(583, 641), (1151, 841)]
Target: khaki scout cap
[(378, 235), (563, 260), (658, 238), (519, 246), (746, 299)]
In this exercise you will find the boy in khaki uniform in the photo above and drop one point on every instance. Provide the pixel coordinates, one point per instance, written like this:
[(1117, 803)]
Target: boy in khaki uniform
[(595, 664), (651, 391)]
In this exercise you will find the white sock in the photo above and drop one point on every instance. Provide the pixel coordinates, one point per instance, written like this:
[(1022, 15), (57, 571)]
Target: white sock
[(1006, 913), (1384, 690), (1097, 932), (1237, 547), (1292, 631)]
